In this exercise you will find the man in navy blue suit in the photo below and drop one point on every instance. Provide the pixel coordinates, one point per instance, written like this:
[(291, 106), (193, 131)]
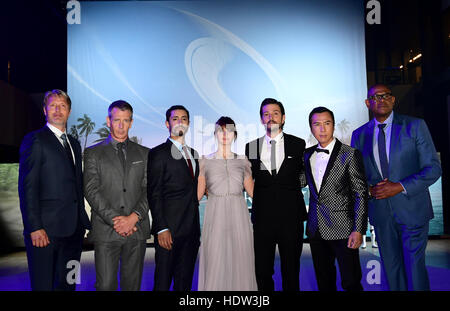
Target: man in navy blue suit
[(401, 163), (51, 198)]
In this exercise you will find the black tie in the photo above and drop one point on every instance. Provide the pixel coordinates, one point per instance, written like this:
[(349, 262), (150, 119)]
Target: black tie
[(120, 154), (67, 148), (382, 151), (323, 150), (273, 161)]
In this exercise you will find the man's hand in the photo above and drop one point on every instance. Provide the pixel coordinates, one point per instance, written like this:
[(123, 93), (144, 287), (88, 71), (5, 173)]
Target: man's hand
[(165, 240), (125, 225), (39, 238), (354, 240), (385, 189)]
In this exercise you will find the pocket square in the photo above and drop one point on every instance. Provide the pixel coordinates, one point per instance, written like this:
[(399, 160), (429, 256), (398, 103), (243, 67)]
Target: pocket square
[(136, 162), (290, 157)]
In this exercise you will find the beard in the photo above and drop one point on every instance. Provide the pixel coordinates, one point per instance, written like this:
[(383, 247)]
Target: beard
[(273, 127), (179, 130)]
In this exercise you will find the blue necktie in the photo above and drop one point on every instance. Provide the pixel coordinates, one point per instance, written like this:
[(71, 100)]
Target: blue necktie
[(382, 151)]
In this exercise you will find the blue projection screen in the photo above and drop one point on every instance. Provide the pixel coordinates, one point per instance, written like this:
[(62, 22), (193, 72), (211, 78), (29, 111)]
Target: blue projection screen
[(216, 58)]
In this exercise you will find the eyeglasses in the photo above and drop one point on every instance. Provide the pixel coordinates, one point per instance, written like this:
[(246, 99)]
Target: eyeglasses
[(379, 97)]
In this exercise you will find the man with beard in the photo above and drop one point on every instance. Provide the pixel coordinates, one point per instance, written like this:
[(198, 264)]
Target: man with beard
[(278, 209), (172, 196)]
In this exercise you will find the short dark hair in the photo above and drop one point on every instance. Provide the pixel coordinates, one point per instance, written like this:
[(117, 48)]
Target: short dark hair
[(175, 107), (269, 101), (57, 93), (222, 122), (122, 105), (320, 110)]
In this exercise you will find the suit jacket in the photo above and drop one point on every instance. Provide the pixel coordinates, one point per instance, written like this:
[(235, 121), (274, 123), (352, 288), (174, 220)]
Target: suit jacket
[(112, 192), (412, 161), (278, 201), (50, 190), (340, 206), (172, 192)]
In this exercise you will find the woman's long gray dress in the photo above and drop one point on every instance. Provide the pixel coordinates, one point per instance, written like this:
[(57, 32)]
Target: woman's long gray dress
[(226, 251)]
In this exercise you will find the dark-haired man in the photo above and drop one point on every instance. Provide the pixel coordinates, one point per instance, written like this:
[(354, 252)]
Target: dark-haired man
[(278, 209), (172, 195), (115, 184), (51, 198), (337, 216), (401, 163)]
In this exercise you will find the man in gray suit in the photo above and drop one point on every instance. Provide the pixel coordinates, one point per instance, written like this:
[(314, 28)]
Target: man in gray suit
[(115, 183)]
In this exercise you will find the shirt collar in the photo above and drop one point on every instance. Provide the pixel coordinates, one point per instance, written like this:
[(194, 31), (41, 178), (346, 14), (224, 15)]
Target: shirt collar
[(115, 142), (55, 130), (330, 146), (277, 138), (388, 121), (176, 143)]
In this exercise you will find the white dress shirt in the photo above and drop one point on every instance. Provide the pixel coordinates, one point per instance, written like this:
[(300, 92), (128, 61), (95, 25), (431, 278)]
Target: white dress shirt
[(279, 151), (58, 134), (319, 162)]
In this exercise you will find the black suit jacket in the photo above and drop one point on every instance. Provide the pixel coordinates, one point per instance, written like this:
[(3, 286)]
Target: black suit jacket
[(340, 207), (278, 201), (172, 192), (50, 191)]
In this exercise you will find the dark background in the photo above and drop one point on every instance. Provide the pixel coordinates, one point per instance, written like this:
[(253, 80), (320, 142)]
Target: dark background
[(33, 60)]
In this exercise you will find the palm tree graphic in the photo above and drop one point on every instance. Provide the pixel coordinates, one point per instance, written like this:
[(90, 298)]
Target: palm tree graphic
[(343, 127), (74, 132), (86, 125), (102, 132)]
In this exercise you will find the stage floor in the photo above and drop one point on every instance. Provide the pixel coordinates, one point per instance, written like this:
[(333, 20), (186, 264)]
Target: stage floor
[(14, 272)]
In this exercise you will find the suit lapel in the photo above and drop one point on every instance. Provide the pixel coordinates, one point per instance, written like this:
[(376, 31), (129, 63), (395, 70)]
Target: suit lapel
[(111, 156), (368, 145), (333, 156), (395, 135), (308, 168), (178, 156), (287, 150), (57, 144)]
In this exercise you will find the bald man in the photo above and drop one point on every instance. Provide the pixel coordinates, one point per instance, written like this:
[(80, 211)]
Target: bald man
[(401, 163)]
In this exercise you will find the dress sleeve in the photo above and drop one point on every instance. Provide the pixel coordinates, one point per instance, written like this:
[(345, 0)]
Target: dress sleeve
[(247, 168)]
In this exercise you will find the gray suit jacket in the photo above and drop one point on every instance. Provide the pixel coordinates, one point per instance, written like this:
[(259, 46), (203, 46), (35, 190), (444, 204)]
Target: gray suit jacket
[(112, 192)]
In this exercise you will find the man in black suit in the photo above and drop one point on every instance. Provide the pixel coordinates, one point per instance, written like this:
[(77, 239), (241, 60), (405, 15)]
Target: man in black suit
[(51, 198), (278, 209), (338, 203), (172, 196)]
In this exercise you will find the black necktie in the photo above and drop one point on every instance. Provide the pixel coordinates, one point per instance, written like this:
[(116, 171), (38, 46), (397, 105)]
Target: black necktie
[(120, 154), (67, 148), (273, 161), (382, 151), (323, 150)]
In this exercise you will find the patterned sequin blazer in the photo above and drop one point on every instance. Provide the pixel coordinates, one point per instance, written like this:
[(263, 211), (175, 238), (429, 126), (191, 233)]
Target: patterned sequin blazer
[(340, 207)]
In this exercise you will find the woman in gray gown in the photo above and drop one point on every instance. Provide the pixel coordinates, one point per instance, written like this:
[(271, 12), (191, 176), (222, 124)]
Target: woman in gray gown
[(226, 251)]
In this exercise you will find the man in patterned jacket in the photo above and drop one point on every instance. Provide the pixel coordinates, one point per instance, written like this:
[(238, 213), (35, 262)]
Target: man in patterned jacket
[(337, 216)]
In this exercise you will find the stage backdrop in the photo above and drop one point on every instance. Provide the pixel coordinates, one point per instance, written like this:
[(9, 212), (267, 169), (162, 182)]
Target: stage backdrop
[(216, 58)]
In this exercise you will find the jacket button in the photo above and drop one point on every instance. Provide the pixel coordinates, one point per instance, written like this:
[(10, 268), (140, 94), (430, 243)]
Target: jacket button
[(122, 207), (75, 201), (124, 190)]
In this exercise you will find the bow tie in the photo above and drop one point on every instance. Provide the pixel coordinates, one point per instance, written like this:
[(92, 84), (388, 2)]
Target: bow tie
[(323, 150)]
